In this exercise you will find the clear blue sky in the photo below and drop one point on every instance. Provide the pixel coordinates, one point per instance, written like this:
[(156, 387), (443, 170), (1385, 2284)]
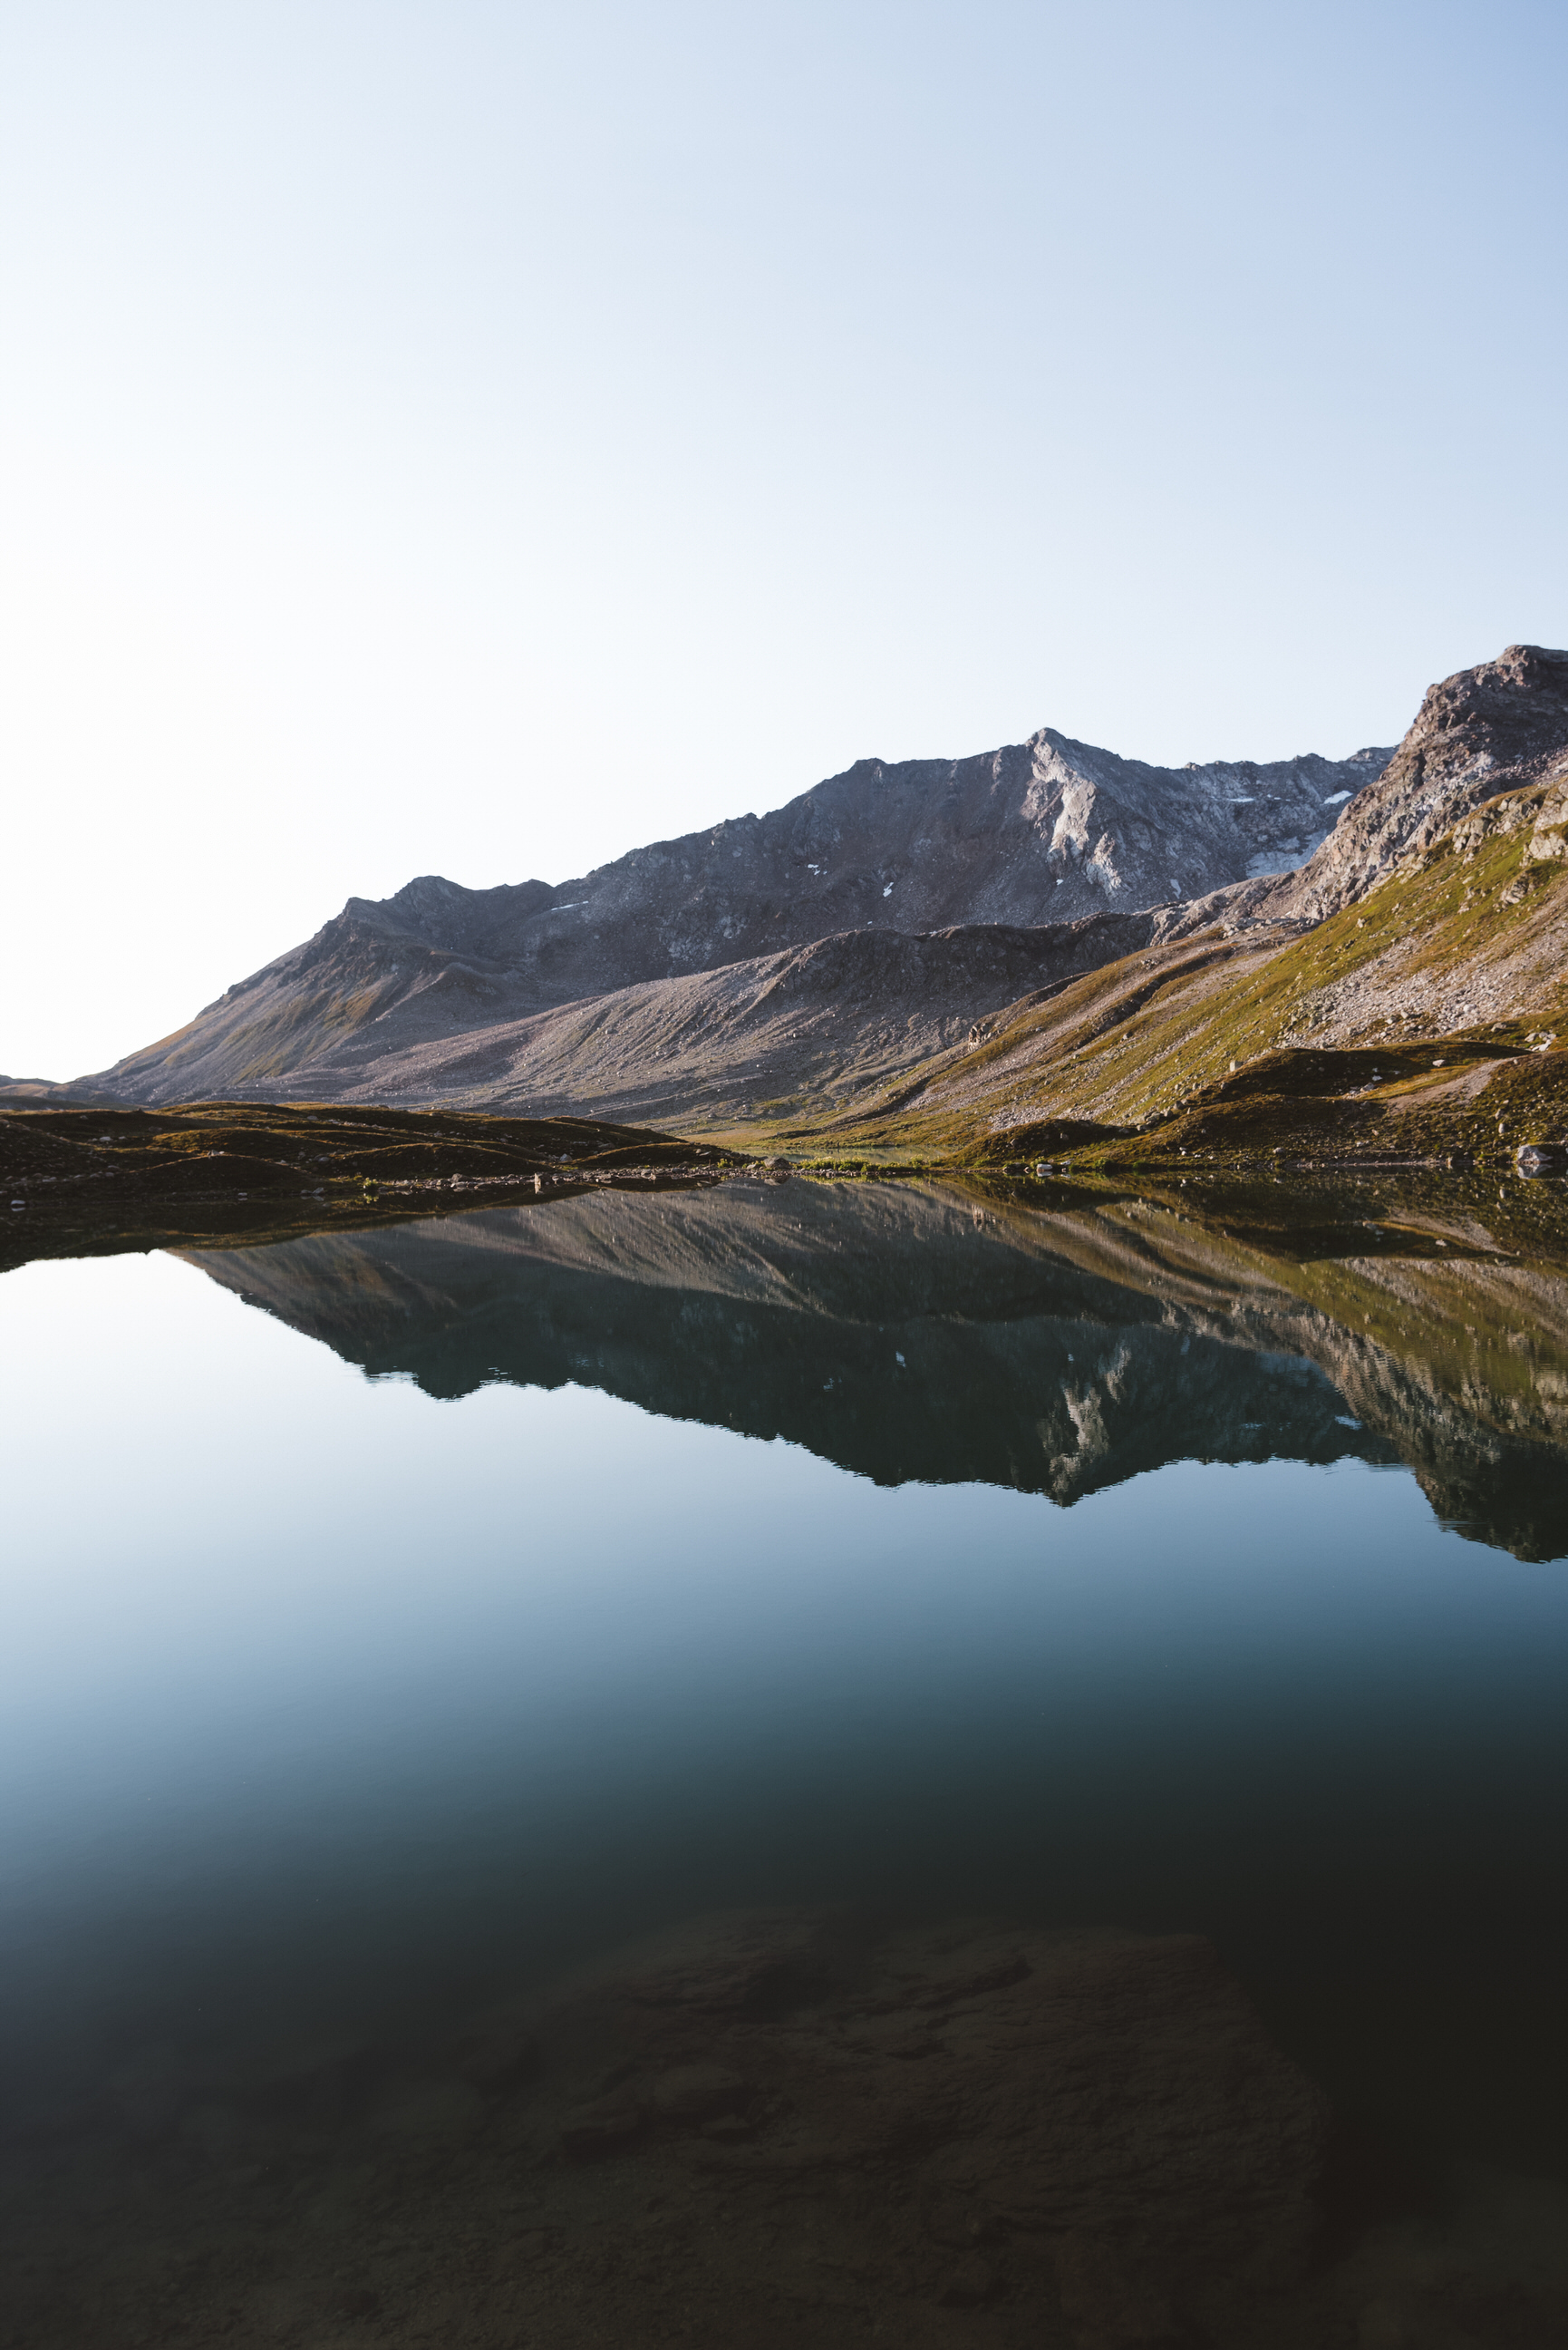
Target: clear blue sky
[(477, 439)]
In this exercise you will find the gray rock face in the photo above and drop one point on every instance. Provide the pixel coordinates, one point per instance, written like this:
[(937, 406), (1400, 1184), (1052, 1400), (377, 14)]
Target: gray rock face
[(1481, 732), (1043, 833)]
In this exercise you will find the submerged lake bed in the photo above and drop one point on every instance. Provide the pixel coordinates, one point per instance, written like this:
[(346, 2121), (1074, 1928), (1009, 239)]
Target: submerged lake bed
[(865, 1760)]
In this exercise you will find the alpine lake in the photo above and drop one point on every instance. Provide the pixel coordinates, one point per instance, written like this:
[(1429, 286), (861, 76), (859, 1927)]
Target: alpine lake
[(762, 1761)]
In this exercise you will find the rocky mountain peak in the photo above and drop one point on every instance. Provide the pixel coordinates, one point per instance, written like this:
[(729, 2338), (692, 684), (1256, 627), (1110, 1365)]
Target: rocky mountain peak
[(1040, 835), (1482, 732)]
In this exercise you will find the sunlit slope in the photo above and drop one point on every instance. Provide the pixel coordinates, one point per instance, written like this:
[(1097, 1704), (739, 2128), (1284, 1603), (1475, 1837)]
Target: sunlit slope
[(788, 976), (1032, 837), (1422, 1018), (821, 1025)]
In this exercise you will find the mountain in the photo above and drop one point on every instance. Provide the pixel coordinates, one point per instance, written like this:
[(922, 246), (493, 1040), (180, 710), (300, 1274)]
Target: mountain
[(1290, 1016), (1499, 727), (1043, 932), (1039, 836), (822, 1023)]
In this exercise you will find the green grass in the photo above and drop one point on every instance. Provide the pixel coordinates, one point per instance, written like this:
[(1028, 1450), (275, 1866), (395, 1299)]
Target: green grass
[(1206, 1045), (95, 1178)]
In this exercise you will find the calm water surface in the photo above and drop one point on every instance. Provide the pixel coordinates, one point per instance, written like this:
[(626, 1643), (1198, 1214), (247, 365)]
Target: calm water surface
[(397, 1626)]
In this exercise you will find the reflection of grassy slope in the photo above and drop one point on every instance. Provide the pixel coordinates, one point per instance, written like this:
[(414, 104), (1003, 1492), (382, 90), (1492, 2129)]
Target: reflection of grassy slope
[(1428, 1284), (1057, 1338), (1335, 1043), (1439, 1311)]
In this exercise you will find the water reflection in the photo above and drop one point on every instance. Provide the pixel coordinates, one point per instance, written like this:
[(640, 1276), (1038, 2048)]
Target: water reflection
[(926, 1332), (490, 1853)]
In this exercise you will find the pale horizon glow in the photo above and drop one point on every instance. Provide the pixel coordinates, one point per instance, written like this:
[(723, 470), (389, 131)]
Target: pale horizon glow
[(479, 440)]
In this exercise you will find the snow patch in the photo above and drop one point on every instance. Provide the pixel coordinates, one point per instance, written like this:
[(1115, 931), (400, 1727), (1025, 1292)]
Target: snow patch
[(1288, 859)]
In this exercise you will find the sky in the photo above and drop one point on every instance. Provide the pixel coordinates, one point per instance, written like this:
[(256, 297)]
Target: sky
[(478, 439)]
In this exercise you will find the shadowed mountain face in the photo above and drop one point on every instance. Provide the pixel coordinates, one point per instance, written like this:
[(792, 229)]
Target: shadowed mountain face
[(1044, 833), (924, 1332), (811, 1024)]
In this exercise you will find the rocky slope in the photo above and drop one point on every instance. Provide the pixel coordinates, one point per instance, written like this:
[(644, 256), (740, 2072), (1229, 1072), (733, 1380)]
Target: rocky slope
[(1499, 727), (1047, 832), (1433, 908), (777, 1035), (1436, 913), (1399, 1024)]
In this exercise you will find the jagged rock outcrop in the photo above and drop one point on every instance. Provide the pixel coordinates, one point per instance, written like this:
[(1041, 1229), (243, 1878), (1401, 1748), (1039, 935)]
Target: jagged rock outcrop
[(1044, 833), (802, 963), (1481, 732)]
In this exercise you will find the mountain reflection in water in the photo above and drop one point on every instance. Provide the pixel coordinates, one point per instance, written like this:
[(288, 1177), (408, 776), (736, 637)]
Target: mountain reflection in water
[(929, 1333), (489, 1856)]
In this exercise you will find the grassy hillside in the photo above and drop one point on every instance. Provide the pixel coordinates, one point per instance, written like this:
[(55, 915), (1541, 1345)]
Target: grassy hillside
[(1423, 1021), (82, 1181)]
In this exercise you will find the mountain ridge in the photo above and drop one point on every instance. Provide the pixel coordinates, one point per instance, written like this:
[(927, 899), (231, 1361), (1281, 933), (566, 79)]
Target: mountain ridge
[(1039, 834), (1498, 727), (869, 942)]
